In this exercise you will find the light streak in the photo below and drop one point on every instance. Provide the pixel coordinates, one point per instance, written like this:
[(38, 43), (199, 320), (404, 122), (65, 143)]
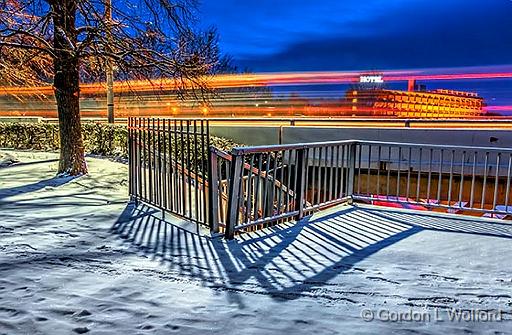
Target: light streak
[(158, 97), (274, 79)]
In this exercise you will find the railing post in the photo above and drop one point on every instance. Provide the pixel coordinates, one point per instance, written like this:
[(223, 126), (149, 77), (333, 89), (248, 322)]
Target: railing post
[(233, 195), (137, 160), (213, 191), (130, 158), (300, 188), (351, 170)]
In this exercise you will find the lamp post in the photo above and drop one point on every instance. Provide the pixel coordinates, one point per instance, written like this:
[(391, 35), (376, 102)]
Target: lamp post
[(109, 68)]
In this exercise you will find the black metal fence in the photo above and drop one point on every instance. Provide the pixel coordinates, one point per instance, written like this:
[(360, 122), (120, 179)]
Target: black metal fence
[(450, 178), (283, 183), (172, 166), (169, 165)]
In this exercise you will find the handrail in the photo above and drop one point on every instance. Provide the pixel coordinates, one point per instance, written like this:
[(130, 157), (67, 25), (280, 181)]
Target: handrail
[(162, 175), (435, 146), (280, 147), (294, 177), (263, 174), (263, 185), (445, 177)]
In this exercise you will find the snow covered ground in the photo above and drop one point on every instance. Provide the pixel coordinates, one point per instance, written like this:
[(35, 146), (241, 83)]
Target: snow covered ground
[(76, 257)]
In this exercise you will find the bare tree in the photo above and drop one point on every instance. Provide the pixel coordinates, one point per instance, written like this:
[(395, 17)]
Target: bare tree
[(71, 40)]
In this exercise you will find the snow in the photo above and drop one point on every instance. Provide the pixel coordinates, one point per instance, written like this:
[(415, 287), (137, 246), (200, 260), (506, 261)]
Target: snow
[(77, 257)]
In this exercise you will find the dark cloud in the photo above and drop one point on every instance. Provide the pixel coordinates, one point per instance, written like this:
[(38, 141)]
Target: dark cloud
[(463, 34)]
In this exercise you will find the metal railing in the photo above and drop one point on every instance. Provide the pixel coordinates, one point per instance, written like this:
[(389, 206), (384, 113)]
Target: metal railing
[(220, 177), (280, 183), (173, 167), (269, 184), (454, 178), (169, 165)]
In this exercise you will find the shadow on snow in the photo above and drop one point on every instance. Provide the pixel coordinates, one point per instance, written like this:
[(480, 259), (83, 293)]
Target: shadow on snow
[(50, 182), (287, 261)]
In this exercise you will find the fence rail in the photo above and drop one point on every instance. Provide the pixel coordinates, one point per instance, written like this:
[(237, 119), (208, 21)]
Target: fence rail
[(453, 178), (270, 183), (172, 166), (169, 164)]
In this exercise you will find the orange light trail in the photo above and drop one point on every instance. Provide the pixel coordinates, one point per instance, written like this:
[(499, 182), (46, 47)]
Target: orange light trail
[(158, 97), (264, 79)]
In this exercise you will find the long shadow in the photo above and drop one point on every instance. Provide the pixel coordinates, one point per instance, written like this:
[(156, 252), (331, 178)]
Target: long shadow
[(17, 164), (284, 262), (55, 181), (462, 225), (33, 187)]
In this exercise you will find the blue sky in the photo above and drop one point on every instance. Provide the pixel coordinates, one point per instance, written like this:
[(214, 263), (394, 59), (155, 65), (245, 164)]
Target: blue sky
[(302, 35)]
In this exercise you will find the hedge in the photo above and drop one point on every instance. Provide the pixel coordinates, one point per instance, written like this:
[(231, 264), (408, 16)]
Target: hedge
[(99, 138)]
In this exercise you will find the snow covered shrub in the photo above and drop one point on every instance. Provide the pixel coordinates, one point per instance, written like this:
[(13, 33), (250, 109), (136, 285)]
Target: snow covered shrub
[(36, 136), (105, 139), (99, 138)]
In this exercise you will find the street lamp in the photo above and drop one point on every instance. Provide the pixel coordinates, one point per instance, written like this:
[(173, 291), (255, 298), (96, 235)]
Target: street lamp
[(109, 68)]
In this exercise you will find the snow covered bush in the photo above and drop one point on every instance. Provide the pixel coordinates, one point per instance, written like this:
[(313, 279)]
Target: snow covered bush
[(99, 138), (105, 139), (36, 136)]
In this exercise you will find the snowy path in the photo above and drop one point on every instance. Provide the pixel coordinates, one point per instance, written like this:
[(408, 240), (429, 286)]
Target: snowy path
[(76, 258)]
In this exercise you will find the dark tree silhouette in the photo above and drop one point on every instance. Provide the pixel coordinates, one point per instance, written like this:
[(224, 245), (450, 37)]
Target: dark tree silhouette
[(71, 40)]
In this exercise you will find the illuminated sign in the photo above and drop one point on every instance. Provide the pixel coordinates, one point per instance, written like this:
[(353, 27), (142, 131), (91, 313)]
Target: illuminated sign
[(371, 79)]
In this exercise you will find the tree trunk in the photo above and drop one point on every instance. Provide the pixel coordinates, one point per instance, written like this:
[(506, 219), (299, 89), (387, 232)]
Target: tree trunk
[(67, 88)]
